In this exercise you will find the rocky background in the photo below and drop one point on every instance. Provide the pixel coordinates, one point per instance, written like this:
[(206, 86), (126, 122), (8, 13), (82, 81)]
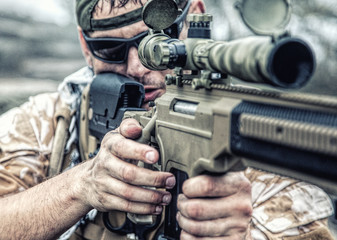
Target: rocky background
[(314, 21), (39, 45), (37, 49)]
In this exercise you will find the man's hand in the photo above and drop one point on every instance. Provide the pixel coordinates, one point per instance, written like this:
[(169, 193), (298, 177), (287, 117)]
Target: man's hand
[(114, 183), (218, 207)]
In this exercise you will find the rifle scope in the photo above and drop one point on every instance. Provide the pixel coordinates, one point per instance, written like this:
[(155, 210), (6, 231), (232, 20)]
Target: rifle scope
[(287, 63)]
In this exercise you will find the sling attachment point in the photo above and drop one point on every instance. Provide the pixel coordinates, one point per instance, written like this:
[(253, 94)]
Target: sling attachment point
[(62, 121)]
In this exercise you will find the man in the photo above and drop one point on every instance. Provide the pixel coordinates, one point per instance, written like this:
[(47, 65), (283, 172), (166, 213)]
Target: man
[(211, 207)]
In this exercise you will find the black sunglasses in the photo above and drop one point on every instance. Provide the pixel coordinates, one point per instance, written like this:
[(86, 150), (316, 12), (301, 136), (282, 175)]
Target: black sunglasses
[(113, 50), (116, 50)]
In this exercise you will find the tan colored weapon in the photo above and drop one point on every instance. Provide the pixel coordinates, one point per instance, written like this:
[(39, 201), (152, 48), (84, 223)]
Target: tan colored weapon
[(207, 125), (228, 128)]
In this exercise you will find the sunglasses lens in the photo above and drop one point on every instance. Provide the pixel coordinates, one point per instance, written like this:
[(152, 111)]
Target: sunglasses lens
[(111, 51)]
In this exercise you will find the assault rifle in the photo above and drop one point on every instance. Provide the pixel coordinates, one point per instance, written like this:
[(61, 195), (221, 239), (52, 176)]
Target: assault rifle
[(205, 124)]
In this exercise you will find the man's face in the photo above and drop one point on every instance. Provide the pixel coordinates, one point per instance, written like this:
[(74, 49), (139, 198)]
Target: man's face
[(153, 81)]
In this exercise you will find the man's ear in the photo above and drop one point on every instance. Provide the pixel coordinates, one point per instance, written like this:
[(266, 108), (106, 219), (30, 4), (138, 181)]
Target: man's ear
[(197, 6), (85, 49)]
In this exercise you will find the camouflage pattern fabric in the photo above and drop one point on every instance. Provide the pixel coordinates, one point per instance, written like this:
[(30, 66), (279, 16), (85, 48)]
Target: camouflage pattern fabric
[(26, 137), (283, 208)]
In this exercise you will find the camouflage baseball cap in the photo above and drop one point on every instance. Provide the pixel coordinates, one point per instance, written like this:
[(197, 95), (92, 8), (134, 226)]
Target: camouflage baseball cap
[(85, 8)]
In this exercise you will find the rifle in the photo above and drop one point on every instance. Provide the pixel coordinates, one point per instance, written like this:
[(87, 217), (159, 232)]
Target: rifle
[(204, 124)]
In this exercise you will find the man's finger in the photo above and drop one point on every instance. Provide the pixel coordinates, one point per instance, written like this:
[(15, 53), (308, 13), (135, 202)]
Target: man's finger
[(215, 208), (113, 202), (129, 173), (215, 228), (135, 193), (215, 186), (130, 128), (186, 236), (124, 148)]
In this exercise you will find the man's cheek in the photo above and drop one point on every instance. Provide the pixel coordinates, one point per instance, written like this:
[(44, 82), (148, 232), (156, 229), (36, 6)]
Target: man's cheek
[(100, 67)]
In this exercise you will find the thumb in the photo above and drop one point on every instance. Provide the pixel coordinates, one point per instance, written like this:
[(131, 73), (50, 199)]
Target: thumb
[(130, 128)]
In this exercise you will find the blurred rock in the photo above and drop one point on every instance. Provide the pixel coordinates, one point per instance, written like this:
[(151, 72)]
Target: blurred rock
[(315, 21), (15, 91), (32, 49), (34, 57)]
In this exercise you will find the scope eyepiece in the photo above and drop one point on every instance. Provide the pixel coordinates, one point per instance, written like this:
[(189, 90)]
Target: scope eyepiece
[(147, 51), (170, 53)]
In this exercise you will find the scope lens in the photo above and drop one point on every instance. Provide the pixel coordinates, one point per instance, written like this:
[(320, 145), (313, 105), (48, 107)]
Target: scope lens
[(292, 63)]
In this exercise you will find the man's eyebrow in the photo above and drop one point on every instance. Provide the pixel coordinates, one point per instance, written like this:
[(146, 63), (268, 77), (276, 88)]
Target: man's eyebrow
[(105, 35)]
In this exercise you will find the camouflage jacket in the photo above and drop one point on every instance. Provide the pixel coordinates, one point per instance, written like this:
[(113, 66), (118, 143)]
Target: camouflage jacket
[(283, 208)]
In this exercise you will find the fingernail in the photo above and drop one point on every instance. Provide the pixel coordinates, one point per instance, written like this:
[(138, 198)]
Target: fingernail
[(159, 209), (167, 198), (178, 216), (170, 182), (150, 156), (132, 125)]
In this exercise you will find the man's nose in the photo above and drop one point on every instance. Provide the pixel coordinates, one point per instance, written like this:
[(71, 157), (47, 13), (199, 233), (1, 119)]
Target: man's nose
[(135, 68)]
